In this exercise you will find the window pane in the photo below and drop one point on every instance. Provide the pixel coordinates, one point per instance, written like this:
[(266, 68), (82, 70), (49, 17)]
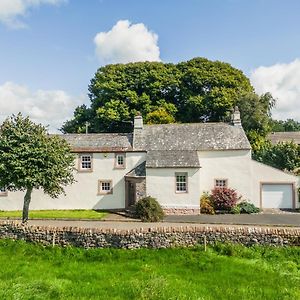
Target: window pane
[(86, 162), (181, 183)]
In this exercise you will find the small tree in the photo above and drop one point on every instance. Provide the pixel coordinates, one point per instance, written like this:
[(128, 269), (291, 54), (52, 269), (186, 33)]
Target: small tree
[(32, 159)]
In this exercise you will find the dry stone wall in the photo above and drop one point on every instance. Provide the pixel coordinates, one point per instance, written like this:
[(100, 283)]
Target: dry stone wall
[(149, 238)]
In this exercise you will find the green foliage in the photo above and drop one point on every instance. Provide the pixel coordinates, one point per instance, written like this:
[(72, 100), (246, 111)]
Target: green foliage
[(283, 156), (193, 91), (39, 272), (149, 210), (288, 125), (247, 208), (256, 117), (57, 214), (224, 199), (30, 158), (235, 210), (206, 206)]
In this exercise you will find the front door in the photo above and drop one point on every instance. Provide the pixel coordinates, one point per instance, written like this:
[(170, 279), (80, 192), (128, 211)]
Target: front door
[(132, 194)]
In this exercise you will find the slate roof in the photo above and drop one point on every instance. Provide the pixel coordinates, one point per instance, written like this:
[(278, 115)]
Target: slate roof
[(189, 137), (165, 159), (276, 137), (99, 142), (139, 171)]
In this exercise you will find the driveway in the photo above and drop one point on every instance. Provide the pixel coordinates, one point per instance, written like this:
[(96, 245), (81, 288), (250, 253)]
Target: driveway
[(288, 219)]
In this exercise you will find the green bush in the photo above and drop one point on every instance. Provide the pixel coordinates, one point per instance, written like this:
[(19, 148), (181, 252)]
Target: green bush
[(235, 210), (149, 210), (206, 206), (247, 208)]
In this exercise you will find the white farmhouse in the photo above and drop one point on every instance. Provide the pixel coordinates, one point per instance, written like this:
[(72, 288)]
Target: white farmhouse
[(175, 163)]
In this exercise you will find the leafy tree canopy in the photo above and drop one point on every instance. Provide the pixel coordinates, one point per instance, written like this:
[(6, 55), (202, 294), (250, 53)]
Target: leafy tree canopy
[(31, 159), (193, 91), (283, 156), (288, 125)]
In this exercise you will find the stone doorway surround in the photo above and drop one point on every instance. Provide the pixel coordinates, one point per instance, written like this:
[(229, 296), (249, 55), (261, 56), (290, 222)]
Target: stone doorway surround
[(135, 185)]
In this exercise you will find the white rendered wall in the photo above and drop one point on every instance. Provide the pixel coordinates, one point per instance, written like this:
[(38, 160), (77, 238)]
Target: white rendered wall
[(83, 194), (266, 174), (235, 166), (161, 184)]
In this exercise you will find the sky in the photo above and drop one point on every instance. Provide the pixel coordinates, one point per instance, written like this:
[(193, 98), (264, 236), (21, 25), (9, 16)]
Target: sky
[(51, 49)]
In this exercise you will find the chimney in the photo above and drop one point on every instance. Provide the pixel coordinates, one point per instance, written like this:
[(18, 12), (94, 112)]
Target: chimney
[(236, 117), (138, 122)]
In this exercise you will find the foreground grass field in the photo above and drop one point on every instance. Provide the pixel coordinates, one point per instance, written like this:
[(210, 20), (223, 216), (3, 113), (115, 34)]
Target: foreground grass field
[(223, 272), (56, 214)]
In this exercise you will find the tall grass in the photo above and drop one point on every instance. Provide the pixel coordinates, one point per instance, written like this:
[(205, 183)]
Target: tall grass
[(232, 272)]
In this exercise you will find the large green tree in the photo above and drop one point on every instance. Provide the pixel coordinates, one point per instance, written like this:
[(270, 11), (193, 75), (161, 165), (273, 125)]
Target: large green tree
[(32, 159), (193, 91), (283, 156)]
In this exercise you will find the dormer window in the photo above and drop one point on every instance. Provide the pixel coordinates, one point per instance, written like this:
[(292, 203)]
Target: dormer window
[(85, 162), (120, 160)]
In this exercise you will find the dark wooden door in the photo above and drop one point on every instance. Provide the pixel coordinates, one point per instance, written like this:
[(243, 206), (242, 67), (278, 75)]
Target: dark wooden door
[(131, 194)]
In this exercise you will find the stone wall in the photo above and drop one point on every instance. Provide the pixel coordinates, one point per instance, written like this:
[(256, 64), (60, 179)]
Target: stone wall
[(149, 238)]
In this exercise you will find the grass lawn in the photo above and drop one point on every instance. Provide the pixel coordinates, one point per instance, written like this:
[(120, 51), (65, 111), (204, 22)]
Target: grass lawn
[(31, 271), (56, 214)]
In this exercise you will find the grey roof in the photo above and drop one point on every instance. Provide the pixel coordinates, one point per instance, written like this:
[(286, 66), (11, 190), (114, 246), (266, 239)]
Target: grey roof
[(194, 136), (165, 159), (276, 137), (99, 142), (138, 171)]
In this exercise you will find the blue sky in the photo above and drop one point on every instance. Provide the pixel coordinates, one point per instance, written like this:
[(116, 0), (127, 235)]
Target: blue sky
[(48, 53)]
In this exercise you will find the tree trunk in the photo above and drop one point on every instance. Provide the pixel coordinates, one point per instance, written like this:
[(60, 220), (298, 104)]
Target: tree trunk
[(27, 199)]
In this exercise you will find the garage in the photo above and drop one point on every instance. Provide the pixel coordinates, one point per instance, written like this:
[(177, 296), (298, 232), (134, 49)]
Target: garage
[(277, 195)]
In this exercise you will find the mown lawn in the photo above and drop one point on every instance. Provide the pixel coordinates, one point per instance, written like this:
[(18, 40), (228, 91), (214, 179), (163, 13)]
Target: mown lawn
[(30, 271), (56, 214)]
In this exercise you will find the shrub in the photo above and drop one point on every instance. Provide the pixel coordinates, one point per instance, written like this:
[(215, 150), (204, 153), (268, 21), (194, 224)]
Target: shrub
[(235, 210), (248, 208), (206, 206), (149, 210), (224, 198)]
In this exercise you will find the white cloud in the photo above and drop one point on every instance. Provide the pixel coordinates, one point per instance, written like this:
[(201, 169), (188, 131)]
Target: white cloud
[(11, 10), (52, 107), (127, 42), (283, 82)]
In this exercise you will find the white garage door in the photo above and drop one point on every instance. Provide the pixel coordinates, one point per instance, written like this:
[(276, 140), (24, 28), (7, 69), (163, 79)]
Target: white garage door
[(277, 196)]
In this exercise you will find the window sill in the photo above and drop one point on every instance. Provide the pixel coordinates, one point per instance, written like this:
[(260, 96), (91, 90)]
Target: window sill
[(85, 171), (103, 193)]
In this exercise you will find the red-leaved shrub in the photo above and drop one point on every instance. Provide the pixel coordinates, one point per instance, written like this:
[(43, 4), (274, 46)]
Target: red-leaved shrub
[(224, 198)]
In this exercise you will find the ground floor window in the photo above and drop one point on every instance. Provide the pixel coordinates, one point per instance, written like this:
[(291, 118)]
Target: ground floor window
[(221, 183), (104, 187), (181, 182)]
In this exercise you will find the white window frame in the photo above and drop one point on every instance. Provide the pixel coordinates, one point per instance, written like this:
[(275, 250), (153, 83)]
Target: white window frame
[(102, 183), (82, 162), (221, 183), (117, 165), (179, 183)]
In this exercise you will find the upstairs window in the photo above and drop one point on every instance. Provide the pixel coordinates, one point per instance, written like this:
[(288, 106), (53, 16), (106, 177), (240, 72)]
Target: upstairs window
[(220, 183), (104, 187), (120, 160), (181, 182), (85, 162)]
